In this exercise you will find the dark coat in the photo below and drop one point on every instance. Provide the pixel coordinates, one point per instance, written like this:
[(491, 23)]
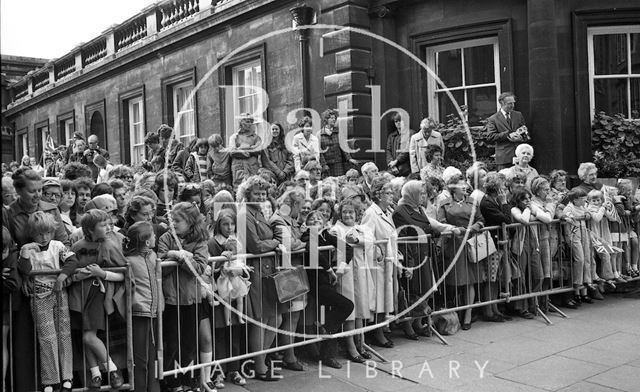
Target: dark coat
[(498, 130)]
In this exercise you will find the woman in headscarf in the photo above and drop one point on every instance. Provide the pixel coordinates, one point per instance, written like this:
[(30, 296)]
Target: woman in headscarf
[(411, 216)]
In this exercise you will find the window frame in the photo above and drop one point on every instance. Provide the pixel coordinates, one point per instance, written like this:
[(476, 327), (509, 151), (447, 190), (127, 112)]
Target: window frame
[(139, 99), (226, 77), (41, 139), (62, 120), (433, 87), (168, 84), (177, 113), (125, 130), (606, 30), (23, 135)]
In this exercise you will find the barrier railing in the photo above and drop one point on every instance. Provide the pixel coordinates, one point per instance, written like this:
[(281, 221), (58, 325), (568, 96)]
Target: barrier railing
[(118, 332), (521, 265)]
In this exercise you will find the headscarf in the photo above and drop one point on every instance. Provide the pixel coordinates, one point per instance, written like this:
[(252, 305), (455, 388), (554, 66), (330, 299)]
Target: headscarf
[(411, 194)]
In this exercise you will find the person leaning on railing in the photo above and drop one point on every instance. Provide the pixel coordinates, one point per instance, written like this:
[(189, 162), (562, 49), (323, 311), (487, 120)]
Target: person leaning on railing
[(457, 211)]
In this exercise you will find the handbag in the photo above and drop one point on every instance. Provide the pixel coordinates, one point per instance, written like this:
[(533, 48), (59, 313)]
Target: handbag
[(290, 283), (480, 247)]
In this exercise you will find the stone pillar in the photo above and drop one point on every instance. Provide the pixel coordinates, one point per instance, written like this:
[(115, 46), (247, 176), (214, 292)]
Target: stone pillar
[(52, 73), (152, 19), (544, 93), (77, 51), (111, 40), (348, 84)]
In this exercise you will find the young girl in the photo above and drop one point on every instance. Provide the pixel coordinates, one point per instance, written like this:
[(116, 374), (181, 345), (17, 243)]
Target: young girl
[(96, 293), (49, 302), (629, 210), (576, 214), (218, 161), (186, 244), (146, 303), (601, 212), (229, 330)]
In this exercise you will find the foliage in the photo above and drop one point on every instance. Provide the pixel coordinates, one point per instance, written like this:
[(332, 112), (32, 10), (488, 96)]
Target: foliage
[(615, 142), (456, 142)]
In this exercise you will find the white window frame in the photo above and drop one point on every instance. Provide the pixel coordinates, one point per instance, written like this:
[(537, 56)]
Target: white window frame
[(136, 158), (178, 112), (68, 129), (433, 87), (235, 71), (605, 30), (25, 145)]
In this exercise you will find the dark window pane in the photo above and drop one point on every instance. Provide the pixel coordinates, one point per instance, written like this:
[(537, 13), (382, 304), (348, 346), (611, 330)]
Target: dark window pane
[(610, 54), (478, 65), (446, 107), (635, 53), (449, 64), (482, 104), (635, 98), (611, 96)]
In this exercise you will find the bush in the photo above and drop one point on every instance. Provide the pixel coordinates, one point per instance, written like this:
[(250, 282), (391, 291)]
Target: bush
[(456, 142), (615, 143)]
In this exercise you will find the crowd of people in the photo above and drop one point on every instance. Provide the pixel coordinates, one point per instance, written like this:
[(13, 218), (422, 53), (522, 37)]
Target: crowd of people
[(80, 223)]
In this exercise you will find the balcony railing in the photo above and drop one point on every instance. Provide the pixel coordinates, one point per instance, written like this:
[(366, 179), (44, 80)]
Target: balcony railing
[(152, 20)]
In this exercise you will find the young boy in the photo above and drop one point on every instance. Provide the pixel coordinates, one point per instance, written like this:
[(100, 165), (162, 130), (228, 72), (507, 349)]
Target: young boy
[(576, 215), (601, 212), (49, 301), (196, 168)]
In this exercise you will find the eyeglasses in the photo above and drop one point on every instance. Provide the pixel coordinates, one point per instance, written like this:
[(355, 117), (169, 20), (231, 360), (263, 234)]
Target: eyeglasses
[(125, 178), (52, 195)]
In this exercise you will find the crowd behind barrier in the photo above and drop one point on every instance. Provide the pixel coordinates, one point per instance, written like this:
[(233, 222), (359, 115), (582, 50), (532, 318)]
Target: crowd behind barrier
[(123, 284)]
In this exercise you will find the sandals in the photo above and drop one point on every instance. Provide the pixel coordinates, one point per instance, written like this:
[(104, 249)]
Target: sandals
[(357, 358), (364, 353)]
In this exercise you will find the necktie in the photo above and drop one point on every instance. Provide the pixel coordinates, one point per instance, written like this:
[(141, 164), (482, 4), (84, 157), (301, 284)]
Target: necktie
[(509, 119)]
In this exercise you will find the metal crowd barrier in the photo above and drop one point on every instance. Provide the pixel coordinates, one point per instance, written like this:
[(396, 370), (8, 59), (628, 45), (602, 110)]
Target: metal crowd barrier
[(112, 336), (438, 286)]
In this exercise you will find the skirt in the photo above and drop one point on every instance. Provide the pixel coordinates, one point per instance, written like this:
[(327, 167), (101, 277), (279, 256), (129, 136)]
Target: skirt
[(93, 315)]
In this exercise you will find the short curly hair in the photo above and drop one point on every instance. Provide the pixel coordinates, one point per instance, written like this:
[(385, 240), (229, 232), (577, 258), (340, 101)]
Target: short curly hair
[(585, 168), (556, 175), (248, 185), (493, 182), (377, 185), (431, 150), (327, 114), (75, 170)]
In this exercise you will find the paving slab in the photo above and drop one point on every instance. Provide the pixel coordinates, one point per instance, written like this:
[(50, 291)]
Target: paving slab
[(624, 378), (553, 372), (605, 357), (584, 386)]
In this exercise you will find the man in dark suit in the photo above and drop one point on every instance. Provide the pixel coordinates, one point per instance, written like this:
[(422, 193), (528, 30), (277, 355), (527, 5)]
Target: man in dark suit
[(507, 130)]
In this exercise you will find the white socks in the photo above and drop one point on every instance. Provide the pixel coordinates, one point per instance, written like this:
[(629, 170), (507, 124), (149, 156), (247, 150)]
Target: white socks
[(110, 366), (205, 373), (95, 372)]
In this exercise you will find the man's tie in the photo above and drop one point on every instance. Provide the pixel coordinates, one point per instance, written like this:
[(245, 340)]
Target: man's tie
[(509, 120)]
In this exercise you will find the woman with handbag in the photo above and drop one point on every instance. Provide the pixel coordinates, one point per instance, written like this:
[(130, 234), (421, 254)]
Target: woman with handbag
[(286, 230), (258, 238), (457, 211), (411, 216)]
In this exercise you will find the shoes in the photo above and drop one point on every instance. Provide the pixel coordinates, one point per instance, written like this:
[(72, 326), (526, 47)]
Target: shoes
[(237, 378), (66, 389), (209, 386), (525, 314), (387, 344), (410, 336), (267, 376), (586, 299), (595, 294), (331, 362), (364, 353), (95, 383), (466, 326), (357, 359), (295, 366), (505, 317), (115, 379), (422, 331), (218, 381), (571, 304), (610, 284), (494, 319)]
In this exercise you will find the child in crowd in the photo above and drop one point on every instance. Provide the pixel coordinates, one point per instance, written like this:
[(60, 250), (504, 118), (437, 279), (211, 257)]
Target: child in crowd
[(187, 245), (96, 293), (49, 302), (229, 325), (147, 302), (105, 168), (196, 168), (629, 210), (10, 284), (601, 213), (218, 161), (576, 215)]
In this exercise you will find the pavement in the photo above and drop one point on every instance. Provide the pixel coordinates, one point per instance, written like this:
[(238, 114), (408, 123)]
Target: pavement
[(596, 349)]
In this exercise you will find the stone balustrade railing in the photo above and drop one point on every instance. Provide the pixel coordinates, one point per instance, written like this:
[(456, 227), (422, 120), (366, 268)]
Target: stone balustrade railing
[(94, 51), (64, 67), (130, 33), (40, 80), (177, 11), (152, 20)]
